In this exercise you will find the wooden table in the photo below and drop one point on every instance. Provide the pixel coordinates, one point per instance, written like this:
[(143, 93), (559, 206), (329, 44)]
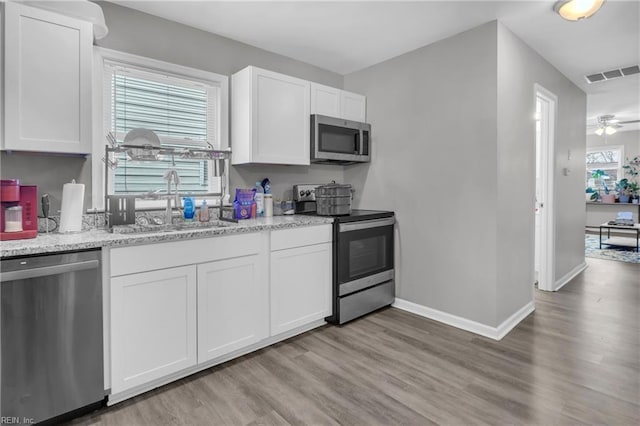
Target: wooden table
[(621, 241)]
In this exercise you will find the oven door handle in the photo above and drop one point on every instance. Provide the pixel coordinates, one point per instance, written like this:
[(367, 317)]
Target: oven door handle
[(367, 224)]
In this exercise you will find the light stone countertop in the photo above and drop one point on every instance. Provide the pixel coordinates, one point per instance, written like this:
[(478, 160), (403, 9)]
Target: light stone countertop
[(56, 242)]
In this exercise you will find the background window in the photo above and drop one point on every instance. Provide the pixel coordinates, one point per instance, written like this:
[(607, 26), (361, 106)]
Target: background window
[(181, 112), (608, 159)]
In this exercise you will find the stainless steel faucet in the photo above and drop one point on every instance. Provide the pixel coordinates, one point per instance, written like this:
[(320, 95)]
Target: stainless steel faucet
[(171, 175)]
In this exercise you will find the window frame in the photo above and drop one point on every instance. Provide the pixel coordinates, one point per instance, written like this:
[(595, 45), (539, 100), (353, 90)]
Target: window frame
[(100, 104), (620, 170)]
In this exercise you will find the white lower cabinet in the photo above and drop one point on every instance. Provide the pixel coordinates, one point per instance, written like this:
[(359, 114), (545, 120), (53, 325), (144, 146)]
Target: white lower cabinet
[(300, 286), (153, 325), (193, 303), (233, 308)]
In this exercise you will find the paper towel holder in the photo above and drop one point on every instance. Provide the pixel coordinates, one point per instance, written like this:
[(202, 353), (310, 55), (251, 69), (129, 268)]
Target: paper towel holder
[(72, 207)]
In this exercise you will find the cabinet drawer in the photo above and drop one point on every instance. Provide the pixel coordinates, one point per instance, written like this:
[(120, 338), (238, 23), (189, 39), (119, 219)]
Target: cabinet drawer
[(298, 237), (130, 260)]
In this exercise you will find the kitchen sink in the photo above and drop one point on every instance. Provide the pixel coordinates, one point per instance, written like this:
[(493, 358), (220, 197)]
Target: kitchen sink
[(180, 226)]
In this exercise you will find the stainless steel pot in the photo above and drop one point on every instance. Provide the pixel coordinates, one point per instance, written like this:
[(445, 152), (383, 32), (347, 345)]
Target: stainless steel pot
[(334, 190), (334, 210), (333, 199)]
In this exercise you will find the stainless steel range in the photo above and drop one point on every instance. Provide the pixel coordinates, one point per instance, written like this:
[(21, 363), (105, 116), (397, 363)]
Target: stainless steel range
[(363, 258)]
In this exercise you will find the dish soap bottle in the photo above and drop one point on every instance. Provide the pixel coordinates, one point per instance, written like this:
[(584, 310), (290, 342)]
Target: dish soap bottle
[(189, 208), (259, 197), (203, 213)]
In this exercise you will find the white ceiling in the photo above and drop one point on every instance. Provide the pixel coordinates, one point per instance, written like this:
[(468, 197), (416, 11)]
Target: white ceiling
[(344, 37)]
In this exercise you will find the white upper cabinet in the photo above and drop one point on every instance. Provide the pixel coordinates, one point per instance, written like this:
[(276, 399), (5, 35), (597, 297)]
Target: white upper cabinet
[(338, 103), (47, 81), (353, 106), (325, 100), (270, 118)]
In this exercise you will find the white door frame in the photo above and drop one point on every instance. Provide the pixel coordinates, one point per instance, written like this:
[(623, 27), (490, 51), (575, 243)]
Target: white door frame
[(549, 101)]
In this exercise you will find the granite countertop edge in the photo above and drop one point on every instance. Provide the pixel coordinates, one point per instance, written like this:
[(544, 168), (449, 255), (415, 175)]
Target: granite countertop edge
[(56, 242)]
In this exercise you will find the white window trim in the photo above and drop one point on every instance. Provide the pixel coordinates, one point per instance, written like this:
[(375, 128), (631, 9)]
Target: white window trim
[(610, 148), (100, 55)]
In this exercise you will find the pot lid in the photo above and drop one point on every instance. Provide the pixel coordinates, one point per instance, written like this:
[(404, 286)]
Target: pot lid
[(333, 184)]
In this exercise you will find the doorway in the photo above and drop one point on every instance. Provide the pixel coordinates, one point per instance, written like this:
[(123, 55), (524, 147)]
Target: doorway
[(544, 252)]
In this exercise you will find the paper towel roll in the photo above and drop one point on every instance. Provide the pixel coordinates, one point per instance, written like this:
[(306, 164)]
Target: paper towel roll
[(72, 206)]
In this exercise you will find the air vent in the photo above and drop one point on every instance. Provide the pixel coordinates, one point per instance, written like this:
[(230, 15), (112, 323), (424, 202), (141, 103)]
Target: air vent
[(631, 70), (595, 77), (610, 75)]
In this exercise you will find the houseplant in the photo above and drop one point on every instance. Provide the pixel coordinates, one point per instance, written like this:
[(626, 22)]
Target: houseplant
[(624, 192), (634, 190), (602, 175), (632, 169)]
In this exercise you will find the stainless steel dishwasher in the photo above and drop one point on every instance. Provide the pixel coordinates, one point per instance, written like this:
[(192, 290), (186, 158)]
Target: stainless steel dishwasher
[(51, 323)]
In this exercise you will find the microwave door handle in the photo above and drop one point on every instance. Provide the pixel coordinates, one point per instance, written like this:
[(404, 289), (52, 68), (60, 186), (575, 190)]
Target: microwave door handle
[(360, 149)]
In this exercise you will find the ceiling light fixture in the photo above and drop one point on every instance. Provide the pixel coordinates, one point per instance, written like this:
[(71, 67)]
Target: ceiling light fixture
[(607, 125), (609, 130), (577, 10)]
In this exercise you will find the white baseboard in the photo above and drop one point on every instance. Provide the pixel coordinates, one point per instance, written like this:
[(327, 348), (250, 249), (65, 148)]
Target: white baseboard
[(515, 319), (496, 333), (569, 276)]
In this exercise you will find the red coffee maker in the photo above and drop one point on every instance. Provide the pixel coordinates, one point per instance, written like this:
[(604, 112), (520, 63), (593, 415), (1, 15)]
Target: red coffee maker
[(18, 213)]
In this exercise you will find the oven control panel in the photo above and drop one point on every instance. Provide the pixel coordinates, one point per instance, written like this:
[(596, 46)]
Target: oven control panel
[(305, 192)]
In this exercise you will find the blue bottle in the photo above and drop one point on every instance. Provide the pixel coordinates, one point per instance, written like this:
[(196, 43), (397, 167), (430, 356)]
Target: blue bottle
[(189, 208)]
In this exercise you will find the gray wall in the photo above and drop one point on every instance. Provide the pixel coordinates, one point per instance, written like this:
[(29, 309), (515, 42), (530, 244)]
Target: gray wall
[(454, 142), (49, 172), (519, 68), (433, 117), (135, 32), (146, 35)]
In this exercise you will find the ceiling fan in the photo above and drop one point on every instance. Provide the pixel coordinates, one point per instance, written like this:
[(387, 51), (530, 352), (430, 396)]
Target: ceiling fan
[(608, 125)]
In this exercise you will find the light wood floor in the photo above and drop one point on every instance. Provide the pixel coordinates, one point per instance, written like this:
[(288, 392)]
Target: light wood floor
[(576, 360)]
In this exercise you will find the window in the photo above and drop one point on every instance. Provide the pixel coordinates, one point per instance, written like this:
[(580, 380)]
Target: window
[(183, 106), (609, 159)]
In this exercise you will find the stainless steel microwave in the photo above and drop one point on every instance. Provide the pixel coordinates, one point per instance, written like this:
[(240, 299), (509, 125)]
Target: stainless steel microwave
[(338, 141)]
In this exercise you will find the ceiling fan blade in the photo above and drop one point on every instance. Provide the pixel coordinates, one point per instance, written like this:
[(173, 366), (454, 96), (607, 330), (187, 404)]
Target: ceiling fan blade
[(628, 122)]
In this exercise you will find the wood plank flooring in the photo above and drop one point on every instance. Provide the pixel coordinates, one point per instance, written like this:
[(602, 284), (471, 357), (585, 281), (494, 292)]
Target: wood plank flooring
[(575, 360)]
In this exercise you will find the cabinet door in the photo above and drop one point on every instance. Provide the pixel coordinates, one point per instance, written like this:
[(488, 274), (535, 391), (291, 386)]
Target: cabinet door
[(232, 305), (325, 100), (270, 118), (281, 119), (354, 106), (300, 286), (47, 81), (153, 325)]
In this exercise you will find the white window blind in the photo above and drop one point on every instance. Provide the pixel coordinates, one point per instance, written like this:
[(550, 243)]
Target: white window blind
[(183, 113)]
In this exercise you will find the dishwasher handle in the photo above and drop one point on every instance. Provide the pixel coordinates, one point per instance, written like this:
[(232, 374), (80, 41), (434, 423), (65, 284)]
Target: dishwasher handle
[(48, 270)]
